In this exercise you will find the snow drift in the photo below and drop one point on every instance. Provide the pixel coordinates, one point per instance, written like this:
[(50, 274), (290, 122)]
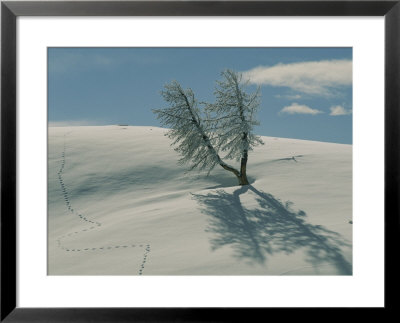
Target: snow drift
[(118, 204)]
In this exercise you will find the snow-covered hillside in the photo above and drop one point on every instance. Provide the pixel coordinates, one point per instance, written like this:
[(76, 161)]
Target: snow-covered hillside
[(120, 205)]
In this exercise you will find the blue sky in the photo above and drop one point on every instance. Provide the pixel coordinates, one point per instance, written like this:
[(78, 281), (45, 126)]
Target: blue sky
[(306, 93)]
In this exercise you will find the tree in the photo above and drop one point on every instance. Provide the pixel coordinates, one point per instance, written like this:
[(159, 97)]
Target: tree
[(234, 112), (226, 126)]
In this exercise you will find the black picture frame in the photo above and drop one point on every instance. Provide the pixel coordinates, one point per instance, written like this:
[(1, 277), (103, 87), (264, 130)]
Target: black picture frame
[(10, 10)]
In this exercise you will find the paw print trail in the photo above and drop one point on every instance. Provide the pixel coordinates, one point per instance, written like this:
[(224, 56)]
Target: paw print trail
[(146, 252), (91, 224)]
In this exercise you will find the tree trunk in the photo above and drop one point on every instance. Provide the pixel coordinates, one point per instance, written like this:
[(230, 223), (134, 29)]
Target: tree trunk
[(243, 180), (243, 176)]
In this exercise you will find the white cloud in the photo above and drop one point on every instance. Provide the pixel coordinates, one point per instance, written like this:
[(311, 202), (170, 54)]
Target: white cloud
[(315, 77), (288, 96), (73, 123), (295, 108), (338, 110), (65, 62), (77, 61)]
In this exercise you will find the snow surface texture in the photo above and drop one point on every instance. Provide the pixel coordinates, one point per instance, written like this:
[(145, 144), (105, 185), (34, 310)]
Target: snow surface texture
[(118, 204)]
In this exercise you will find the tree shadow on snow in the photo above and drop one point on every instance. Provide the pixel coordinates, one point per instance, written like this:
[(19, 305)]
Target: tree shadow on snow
[(268, 228), (226, 180)]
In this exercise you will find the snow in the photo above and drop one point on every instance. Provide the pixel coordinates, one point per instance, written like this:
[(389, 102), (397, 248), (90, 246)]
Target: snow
[(118, 204)]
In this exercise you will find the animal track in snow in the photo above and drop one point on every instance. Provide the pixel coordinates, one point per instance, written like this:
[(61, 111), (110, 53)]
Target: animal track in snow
[(92, 224)]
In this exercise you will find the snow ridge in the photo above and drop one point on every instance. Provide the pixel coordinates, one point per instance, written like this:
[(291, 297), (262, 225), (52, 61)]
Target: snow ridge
[(292, 220), (92, 224)]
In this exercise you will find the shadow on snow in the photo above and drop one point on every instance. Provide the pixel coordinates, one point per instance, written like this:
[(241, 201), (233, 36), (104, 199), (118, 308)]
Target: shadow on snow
[(271, 227)]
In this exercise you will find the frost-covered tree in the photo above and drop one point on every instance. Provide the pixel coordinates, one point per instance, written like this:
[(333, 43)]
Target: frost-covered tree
[(224, 126), (234, 118), (188, 132)]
